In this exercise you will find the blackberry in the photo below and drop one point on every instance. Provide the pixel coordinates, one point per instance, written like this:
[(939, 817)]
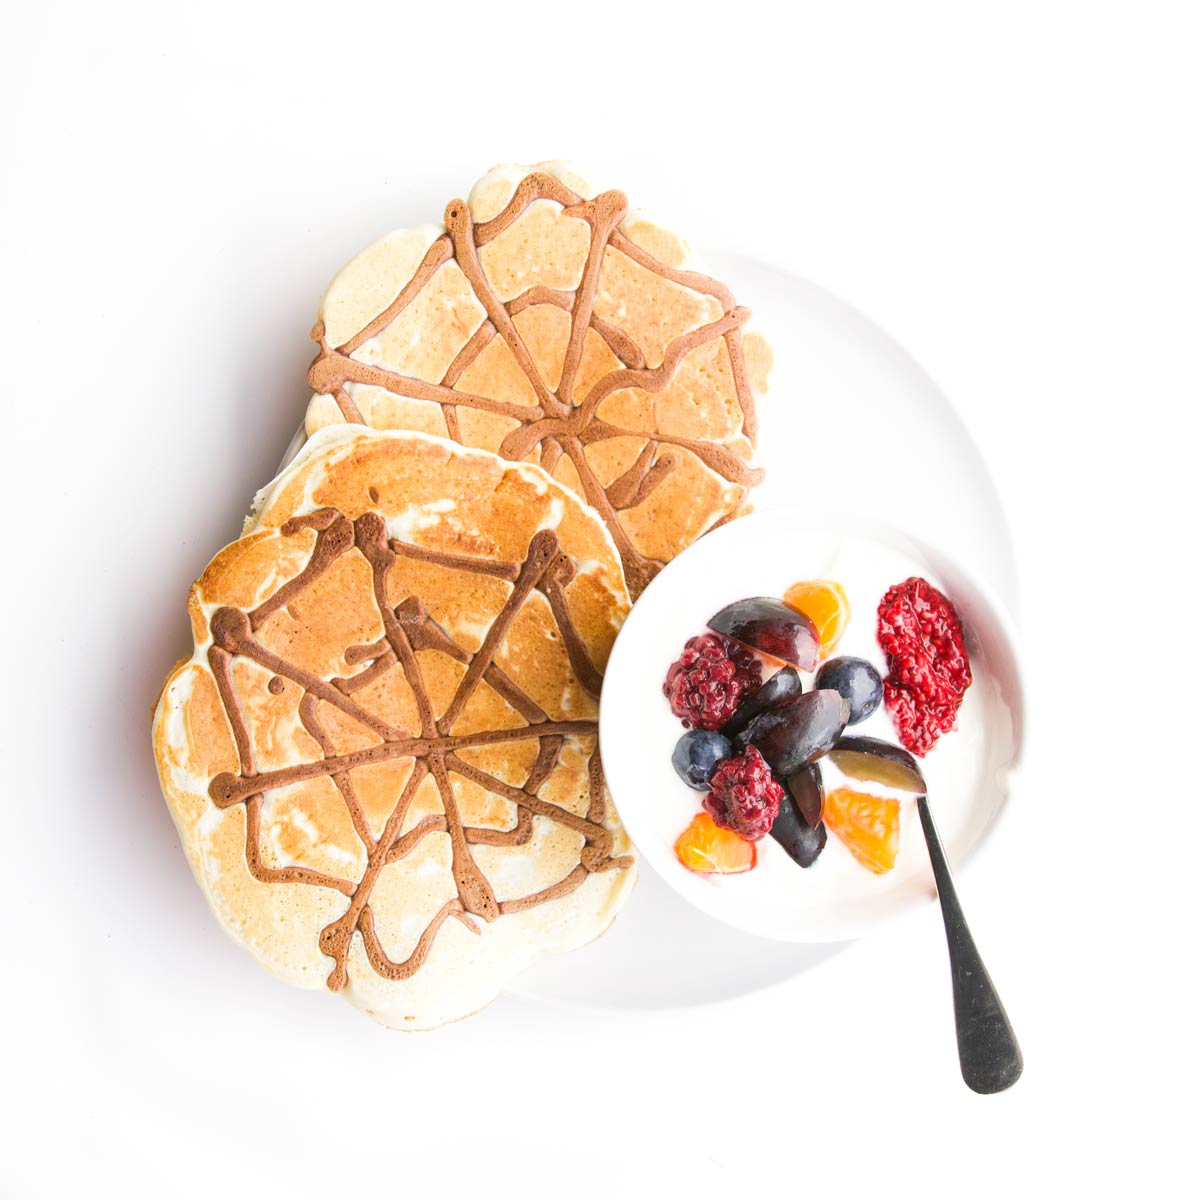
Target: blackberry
[(707, 682), (745, 796)]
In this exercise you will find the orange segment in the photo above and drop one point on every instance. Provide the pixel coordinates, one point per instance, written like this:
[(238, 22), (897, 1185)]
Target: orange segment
[(707, 849), (868, 825), (825, 603)]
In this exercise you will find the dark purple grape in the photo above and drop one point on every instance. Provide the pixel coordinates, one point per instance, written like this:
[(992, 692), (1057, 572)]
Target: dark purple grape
[(803, 842), (798, 733), (782, 687), (772, 628), (808, 792)]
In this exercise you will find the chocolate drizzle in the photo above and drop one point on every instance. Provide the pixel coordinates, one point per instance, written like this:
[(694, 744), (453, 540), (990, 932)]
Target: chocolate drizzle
[(432, 749), (558, 422)]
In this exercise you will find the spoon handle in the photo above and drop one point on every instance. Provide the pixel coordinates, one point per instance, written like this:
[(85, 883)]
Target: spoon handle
[(987, 1046)]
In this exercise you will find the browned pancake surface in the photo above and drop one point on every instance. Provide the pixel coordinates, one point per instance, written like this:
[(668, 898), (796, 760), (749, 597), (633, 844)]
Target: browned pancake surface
[(382, 756), (557, 328)]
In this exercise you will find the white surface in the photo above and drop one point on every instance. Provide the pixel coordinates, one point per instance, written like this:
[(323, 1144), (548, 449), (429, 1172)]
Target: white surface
[(967, 772), (1011, 192)]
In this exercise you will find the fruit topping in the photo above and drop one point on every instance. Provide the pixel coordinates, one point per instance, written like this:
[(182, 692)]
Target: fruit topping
[(808, 792), (928, 667), (874, 761), (745, 796), (707, 849), (868, 825), (783, 686), (772, 628), (707, 682), (802, 841), (798, 733), (856, 680), (696, 754), (826, 605)]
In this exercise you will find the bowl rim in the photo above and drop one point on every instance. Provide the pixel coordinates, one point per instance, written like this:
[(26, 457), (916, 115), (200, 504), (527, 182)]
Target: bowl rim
[(944, 564)]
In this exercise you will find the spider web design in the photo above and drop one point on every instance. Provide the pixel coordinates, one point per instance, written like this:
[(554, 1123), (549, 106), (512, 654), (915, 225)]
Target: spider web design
[(555, 425), (434, 751)]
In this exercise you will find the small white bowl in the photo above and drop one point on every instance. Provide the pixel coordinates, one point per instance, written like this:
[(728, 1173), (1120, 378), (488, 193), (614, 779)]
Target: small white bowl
[(968, 771)]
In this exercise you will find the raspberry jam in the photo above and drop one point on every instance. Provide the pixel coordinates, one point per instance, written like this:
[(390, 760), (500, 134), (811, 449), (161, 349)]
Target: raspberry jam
[(928, 667)]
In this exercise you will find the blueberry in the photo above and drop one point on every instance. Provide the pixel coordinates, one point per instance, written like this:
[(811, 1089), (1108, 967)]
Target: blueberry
[(696, 754), (857, 681)]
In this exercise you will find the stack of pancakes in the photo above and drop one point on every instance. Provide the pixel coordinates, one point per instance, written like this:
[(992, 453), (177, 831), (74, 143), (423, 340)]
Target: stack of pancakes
[(382, 755)]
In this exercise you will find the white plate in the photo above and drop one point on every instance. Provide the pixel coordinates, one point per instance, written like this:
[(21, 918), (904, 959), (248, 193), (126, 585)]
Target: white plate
[(839, 382), (967, 771)]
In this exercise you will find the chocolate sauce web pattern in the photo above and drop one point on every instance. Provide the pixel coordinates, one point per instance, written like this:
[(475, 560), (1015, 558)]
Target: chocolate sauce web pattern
[(408, 629), (556, 424)]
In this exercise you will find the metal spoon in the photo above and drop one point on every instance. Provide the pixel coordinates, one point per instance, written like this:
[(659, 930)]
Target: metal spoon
[(987, 1047), (988, 1053)]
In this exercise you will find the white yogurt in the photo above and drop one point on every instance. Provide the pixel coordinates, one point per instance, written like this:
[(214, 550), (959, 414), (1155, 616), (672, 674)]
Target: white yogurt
[(966, 770)]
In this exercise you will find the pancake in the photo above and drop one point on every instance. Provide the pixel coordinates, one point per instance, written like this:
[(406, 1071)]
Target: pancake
[(382, 756), (550, 324)]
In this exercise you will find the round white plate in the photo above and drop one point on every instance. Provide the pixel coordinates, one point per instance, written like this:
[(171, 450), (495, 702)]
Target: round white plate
[(848, 409)]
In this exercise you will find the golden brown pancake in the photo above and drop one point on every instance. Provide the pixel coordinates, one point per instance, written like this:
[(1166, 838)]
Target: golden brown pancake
[(382, 756), (552, 325)]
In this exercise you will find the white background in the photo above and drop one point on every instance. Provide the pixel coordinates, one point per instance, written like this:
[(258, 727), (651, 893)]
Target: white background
[(1009, 189)]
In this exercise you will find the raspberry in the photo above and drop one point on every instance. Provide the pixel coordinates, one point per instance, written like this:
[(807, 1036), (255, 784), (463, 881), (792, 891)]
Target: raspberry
[(708, 681), (928, 667), (745, 796)]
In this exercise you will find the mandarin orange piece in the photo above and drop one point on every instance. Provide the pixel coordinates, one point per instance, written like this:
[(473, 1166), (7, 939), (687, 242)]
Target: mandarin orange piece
[(868, 825), (707, 849), (825, 603)]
